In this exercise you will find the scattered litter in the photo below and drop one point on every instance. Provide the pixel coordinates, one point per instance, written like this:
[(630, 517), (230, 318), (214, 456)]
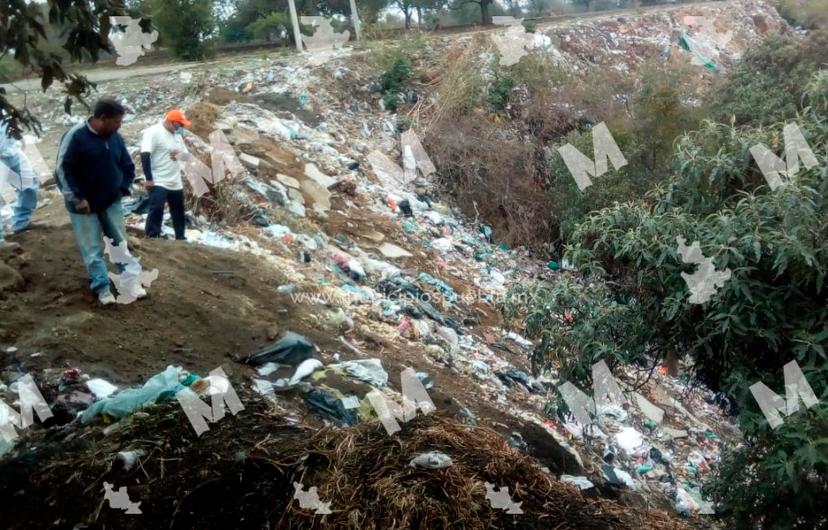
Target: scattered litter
[(425, 379), (126, 460), (123, 403), (290, 350), (582, 482), (629, 439), (368, 370), (101, 388), (350, 402), (331, 407), (431, 460), (305, 369), (519, 340), (618, 477)]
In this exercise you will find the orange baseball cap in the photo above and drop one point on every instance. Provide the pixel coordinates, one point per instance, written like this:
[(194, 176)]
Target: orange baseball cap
[(178, 115)]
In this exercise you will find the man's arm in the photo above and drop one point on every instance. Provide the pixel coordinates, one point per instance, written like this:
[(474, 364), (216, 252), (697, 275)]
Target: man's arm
[(146, 157), (128, 169), (146, 164), (66, 169)]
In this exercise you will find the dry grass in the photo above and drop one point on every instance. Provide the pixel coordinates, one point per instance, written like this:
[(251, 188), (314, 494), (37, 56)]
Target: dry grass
[(240, 475)]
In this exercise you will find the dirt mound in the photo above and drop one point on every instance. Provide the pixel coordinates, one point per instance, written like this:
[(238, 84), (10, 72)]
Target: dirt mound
[(240, 474), (207, 306)]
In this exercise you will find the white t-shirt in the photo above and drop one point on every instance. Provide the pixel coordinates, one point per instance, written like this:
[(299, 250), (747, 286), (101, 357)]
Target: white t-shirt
[(158, 142)]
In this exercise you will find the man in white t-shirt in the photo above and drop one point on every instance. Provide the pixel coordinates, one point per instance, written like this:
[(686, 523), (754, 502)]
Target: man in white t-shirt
[(162, 148)]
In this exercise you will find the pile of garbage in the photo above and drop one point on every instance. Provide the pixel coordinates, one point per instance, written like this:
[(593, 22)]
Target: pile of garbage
[(343, 202), (712, 34)]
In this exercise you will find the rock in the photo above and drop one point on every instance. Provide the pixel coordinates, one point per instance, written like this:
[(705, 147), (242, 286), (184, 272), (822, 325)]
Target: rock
[(249, 161), (275, 193), (242, 134), (320, 196), (374, 236), (313, 173), (387, 171), (651, 411), (10, 279), (296, 195), (390, 250), (296, 209), (290, 182)]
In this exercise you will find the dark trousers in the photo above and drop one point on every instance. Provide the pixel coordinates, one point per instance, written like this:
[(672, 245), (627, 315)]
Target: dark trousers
[(158, 196)]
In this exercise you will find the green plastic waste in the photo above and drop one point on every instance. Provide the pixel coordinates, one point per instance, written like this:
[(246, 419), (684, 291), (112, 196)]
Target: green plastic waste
[(553, 265), (409, 227), (687, 44)]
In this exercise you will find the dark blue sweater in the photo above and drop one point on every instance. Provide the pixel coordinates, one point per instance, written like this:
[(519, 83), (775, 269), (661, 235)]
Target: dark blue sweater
[(93, 167)]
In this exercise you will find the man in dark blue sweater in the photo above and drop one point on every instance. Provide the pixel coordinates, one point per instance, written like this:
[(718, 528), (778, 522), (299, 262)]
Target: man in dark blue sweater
[(93, 171)]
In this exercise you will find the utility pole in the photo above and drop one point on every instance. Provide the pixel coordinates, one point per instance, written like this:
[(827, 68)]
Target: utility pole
[(355, 19), (297, 35)]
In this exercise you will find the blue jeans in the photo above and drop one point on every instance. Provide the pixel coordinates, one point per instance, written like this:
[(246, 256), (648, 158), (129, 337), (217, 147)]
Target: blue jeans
[(26, 198), (89, 230)]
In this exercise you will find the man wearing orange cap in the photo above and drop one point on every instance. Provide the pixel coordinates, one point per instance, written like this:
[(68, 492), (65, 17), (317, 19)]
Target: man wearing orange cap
[(162, 147)]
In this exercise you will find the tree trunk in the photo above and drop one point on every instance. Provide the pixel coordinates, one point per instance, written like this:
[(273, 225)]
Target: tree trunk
[(484, 12), (407, 18), (419, 17)]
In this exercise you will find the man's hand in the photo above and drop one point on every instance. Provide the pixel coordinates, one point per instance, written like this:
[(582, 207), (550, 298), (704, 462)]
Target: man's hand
[(148, 184), (82, 206), (174, 154)]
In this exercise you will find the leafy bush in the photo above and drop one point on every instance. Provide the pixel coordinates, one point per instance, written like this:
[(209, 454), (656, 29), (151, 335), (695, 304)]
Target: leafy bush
[(771, 311), (10, 70), (577, 325), (810, 14), (658, 114), (500, 92), (392, 81), (274, 26), (390, 101), (778, 479), (393, 78), (767, 85)]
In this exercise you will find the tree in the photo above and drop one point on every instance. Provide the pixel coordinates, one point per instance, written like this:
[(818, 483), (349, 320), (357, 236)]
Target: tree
[(425, 6), (23, 34), (407, 7), (246, 12), (486, 8), (188, 41)]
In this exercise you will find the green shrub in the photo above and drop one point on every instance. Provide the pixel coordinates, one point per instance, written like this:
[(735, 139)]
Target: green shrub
[(771, 311), (810, 14), (393, 78), (767, 85), (390, 101), (500, 92), (10, 70), (529, 26)]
